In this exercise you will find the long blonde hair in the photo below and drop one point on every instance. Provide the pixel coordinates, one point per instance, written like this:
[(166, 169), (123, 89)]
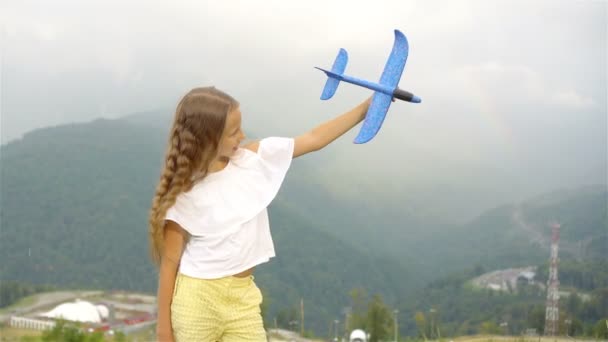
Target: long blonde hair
[(193, 143)]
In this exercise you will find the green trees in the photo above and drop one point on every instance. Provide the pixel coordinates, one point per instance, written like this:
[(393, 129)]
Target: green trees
[(466, 310), (380, 322), (12, 291), (65, 332), (421, 325), (371, 315), (600, 331), (489, 328)]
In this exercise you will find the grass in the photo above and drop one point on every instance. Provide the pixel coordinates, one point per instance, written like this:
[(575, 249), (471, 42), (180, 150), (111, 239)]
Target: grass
[(27, 335), (16, 334), (491, 338)]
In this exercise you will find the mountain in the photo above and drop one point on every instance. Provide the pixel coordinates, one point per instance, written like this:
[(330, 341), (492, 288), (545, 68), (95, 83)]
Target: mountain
[(513, 234), (74, 205), (404, 221), (520, 234), (75, 198)]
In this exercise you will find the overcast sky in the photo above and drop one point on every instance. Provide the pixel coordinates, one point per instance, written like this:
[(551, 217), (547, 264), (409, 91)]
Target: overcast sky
[(511, 82)]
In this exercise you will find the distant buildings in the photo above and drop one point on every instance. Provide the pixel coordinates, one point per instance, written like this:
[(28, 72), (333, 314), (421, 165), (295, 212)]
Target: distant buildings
[(31, 323), (507, 279), (79, 311), (116, 312)]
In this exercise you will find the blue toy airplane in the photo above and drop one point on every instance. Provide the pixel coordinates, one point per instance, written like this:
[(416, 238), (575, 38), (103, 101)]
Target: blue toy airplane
[(386, 90)]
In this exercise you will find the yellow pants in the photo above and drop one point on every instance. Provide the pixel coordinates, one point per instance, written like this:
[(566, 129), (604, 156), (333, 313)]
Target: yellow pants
[(210, 310)]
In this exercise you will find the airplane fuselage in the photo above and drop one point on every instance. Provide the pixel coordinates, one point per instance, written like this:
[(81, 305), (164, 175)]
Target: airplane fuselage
[(394, 92), (367, 84)]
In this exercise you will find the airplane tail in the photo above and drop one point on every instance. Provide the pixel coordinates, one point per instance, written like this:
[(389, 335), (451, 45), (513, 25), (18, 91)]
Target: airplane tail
[(335, 75)]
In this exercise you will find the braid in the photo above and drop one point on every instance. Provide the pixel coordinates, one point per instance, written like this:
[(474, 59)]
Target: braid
[(193, 142)]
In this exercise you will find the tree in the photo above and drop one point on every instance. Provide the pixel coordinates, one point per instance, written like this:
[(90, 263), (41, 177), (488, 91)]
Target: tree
[(489, 328), (601, 329), (465, 329), (12, 291), (70, 333), (536, 318), (357, 319), (119, 336), (287, 318), (420, 324), (379, 320)]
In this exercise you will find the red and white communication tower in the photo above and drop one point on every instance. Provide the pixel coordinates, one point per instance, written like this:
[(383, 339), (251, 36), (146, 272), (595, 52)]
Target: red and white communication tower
[(552, 310)]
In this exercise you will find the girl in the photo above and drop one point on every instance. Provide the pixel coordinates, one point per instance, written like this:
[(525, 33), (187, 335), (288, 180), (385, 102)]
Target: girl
[(208, 222)]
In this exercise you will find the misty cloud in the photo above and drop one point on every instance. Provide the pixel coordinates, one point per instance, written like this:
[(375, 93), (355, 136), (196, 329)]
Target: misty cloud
[(512, 90)]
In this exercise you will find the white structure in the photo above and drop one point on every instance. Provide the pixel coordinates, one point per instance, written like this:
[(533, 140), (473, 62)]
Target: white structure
[(505, 280), (494, 287), (358, 335), (103, 310), (30, 323), (528, 275), (78, 311)]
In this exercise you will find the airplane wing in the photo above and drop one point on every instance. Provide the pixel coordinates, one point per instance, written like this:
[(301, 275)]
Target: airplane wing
[(390, 78), (396, 61), (374, 117)]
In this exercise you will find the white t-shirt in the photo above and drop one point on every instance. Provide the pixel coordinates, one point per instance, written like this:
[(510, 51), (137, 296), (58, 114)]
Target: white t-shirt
[(226, 214)]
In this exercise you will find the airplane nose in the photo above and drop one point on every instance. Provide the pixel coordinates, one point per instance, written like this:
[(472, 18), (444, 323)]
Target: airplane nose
[(405, 96)]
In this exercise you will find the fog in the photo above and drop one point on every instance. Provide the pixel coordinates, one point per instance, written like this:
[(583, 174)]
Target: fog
[(514, 94)]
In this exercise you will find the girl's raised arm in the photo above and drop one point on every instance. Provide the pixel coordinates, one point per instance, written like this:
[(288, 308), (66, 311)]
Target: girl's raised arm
[(325, 133)]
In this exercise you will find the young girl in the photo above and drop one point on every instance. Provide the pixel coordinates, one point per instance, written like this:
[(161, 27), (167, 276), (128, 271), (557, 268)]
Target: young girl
[(208, 222)]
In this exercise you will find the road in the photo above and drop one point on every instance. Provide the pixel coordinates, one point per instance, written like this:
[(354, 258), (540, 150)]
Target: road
[(46, 299)]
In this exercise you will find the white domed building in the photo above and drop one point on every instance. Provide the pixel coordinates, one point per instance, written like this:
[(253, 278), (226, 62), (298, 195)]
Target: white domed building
[(358, 335), (103, 310), (79, 311)]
